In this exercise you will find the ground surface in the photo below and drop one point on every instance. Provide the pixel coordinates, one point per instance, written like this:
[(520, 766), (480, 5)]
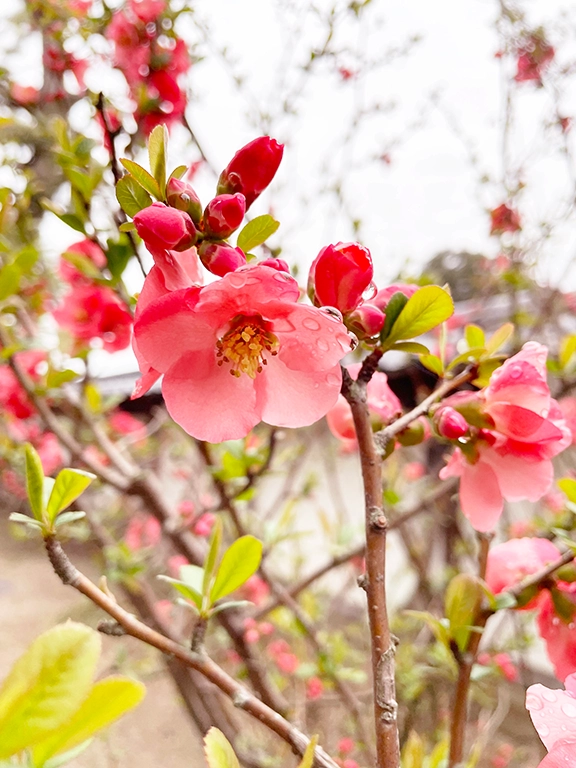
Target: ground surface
[(157, 733)]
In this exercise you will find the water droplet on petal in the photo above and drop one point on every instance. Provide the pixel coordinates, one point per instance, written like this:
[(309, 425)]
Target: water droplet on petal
[(543, 730), (353, 340), (311, 324), (283, 325), (251, 280), (333, 380), (322, 345), (282, 277), (515, 372), (533, 702), (549, 696), (236, 279), (370, 292), (569, 709), (332, 312)]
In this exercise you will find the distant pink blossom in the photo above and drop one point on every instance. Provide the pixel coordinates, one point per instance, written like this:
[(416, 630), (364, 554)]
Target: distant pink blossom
[(13, 398), (414, 470), (94, 312), (314, 688), (174, 564), (382, 403), (204, 524), (142, 531), (513, 560), (504, 219), (534, 57), (124, 423), (346, 745), (568, 408), (255, 589), (553, 714), (242, 350), (88, 250)]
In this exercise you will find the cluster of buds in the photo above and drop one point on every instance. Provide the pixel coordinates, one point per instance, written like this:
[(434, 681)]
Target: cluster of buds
[(152, 58), (182, 223)]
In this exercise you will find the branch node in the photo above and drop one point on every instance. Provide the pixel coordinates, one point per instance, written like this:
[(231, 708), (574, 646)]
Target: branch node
[(362, 581), (378, 520), (240, 698), (63, 568), (111, 628)]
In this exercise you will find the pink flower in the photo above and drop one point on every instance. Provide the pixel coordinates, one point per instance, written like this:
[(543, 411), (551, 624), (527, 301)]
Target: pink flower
[(12, 397), (204, 525), (142, 531), (512, 459), (24, 94), (124, 423), (366, 321), (414, 470), (515, 559), (147, 10), (534, 58), (382, 402), (165, 228), (339, 275), (553, 714), (88, 250), (346, 745), (568, 407), (314, 688), (559, 632), (223, 215), (174, 564), (504, 219), (255, 589), (240, 351), (91, 312), (251, 169)]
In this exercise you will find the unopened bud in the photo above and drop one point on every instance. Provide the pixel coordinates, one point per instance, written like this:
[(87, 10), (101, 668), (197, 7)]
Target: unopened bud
[(163, 227), (183, 197), (251, 169), (339, 275), (450, 423), (366, 321), (220, 258), (223, 215), (278, 264)]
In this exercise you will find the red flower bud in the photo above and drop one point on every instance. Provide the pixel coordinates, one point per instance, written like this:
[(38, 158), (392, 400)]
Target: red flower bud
[(220, 258), (278, 264), (366, 321), (182, 196), (339, 276), (224, 214), (165, 228), (504, 219), (251, 169), (450, 423)]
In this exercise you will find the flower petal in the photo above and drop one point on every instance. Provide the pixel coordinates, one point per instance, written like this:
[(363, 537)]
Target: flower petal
[(480, 496), (523, 424), (206, 401), (310, 339), (553, 714), (520, 479)]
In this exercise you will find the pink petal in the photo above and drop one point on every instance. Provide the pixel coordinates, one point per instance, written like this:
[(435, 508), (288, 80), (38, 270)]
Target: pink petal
[(519, 382), (520, 479), (169, 328), (206, 401), (289, 398), (310, 339), (249, 287), (180, 269), (570, 684), (480, 496), (553, 713), (454, 467), (562, 756), (522, 424)]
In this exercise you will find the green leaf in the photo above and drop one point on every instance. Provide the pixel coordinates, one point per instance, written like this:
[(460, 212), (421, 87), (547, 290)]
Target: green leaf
[(108, 700), (396, 304), (34, 481), (188, 592), (218, 750), (308, 757), (433, 364), (157, 155), (118, 255), (16, 517), (83, 264), (128, 226), (72, 221), (69, 517), (230, 604), (9, 280), (485, 371), (410, 346), (439, 630), (424, 310), (470, 356), (143, 178), (413, 753), (178, 172), (55, 379), (257, 232), (499, 338), (131, 196), (567, 350), (70, 483), (192, 576), (210, 564), (239, 562), (81, 181), (462, 601), (47, 685)]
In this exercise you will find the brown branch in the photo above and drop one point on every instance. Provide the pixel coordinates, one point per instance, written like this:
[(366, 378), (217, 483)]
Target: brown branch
[(239, 695), (381, 639)]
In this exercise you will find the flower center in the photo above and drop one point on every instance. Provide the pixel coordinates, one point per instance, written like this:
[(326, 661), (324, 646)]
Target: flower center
[(245, 345)]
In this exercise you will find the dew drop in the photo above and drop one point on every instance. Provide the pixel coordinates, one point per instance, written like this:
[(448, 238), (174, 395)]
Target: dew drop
[(251, 280), (370, 292), (322, 345), (569, 710), (236, 279), (549, 696), (543, 730), (516, 372), (333, 313), (311, 324), (533, 702), (283, 325), (316, 385), (282, 277), (353, 340), (332, 379)]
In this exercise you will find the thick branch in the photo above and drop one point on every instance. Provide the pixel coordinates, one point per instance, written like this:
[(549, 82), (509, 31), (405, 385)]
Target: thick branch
[(239, 695)]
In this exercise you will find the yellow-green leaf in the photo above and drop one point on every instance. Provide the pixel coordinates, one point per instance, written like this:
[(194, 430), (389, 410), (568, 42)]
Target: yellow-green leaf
[(108, 700), (499, 338), (145, 179), (47, 685), (567, 350), (257, 232), (218, 750), (34, 481), (70, 483), (157, 154), (474, 336), (463, 598), (424, 310), (131, 196), (308, 757), (240, 561), (433, 364), (211, 557)]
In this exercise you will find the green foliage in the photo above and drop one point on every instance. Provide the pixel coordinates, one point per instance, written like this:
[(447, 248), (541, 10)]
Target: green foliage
[(70, 483), (308, 758), (34, 481), (393, 309), (157, 155), (462, 601), (131, 196), (218, 750), (257, 232), (426, 309), (49, 704), (144, 179), (239, 563)]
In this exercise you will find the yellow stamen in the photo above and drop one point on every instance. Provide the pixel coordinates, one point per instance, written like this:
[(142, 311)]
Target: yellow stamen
[(245, 345)]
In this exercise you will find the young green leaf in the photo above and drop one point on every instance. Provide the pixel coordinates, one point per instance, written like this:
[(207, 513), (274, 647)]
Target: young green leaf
[(499, 338), (568, 486), (157, 154), (69, 517), (239, 562), (188, 592), (70, 483), (257, 232), (433, 364), (108, 700), (412, 347), (145, 179), (47, 685), (178, 172), (218, 750), (131, 196), (308, 757), (474, 336), (34, 481), (424, 310), (211, 558), (462, 600), (396, 304), (16, 517)]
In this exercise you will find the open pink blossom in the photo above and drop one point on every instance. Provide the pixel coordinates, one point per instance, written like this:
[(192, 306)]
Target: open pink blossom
[(559, 632), (553, 714), (512, 459), (382, 402), (13, 398), (91, 312), (513, 560), (87, 250), (240, 351)]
